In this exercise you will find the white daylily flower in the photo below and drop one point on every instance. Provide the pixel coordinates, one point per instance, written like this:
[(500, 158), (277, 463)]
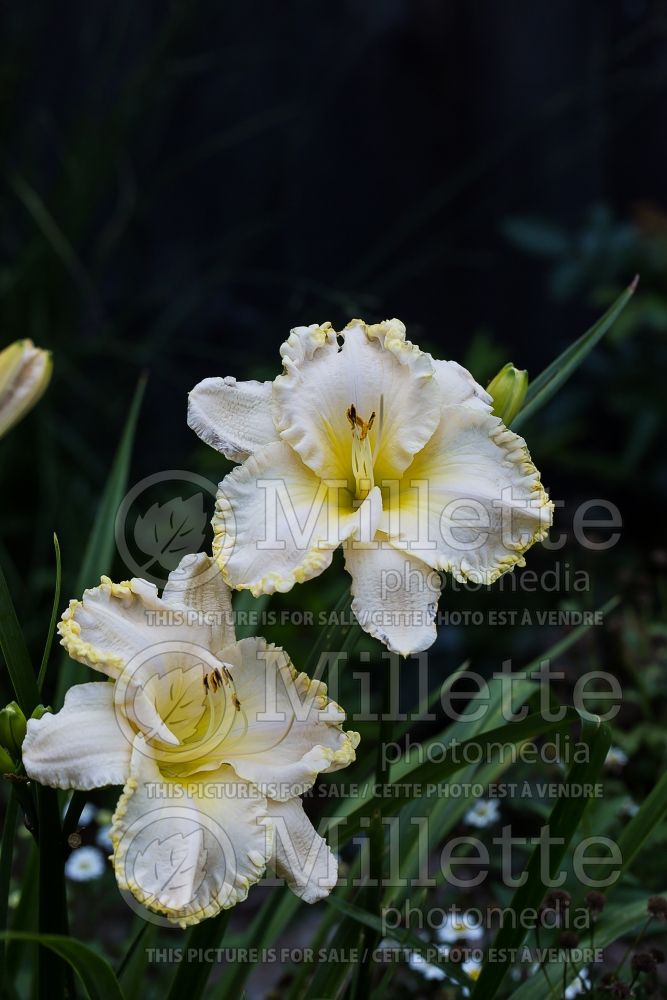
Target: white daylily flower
[(213, 740), (25, 372), (84, 864), (367, 442)]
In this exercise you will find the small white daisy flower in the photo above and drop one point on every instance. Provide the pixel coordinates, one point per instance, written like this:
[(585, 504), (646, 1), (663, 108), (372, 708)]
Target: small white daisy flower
[(103, 838), (629, 807), (84, 864), (417, 962), (485, 812), (472, 968), (460, 926), (615, 759), (578, 986)]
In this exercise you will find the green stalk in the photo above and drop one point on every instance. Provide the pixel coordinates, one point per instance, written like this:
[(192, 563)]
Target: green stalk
[(370, 937), (191, 977), (6, 850), (53, 978)]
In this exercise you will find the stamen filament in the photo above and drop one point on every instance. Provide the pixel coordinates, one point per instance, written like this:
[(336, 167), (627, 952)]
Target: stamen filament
[(362, 457)]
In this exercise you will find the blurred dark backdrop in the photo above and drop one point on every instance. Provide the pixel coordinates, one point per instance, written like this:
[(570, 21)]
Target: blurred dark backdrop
[(183, 182)]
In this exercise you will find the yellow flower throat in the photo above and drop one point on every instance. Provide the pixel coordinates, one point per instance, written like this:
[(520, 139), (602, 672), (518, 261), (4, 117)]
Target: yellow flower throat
[(362, 457)]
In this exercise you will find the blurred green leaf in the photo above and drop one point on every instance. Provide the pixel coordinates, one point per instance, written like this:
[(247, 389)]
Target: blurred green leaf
[(558, 372), (563, 822), (370, 920), (54, 616), (16, 653), (191, 977), (94, 971), (615, 922), (642, 825), (101, 543)]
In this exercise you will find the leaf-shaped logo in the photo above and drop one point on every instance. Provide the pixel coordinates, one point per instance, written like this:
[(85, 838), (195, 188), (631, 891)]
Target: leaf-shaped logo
[(174, 864), (167, 532)]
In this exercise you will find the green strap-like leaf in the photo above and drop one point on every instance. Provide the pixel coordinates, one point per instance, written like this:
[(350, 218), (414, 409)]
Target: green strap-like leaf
[(563, 822), (415, 943), (55, 608), (94, 971), (643, 823), (101, 543), (558, 372), (431, 773), (615, 922), (191, 977), (15, 652)]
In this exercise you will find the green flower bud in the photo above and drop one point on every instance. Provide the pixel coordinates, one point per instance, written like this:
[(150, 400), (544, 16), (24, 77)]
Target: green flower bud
[(12, 728), (40, 711), (7, 765), (508, 390)]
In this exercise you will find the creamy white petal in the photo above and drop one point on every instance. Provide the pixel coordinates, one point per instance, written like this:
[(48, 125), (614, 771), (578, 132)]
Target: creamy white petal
[(301, 856), (395, 596), (276, 523), (378, 371), (232, 417), (457, 386), (471, 503), (25, 372), (117, 622), (286, 731), (188, 850), (197, 583), (81, 746)]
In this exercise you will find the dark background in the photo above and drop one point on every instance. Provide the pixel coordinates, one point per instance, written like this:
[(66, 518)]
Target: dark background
[(182, 183)]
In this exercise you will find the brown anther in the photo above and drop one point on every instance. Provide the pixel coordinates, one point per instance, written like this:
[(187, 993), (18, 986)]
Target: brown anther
[(237, 703), (357, 422)]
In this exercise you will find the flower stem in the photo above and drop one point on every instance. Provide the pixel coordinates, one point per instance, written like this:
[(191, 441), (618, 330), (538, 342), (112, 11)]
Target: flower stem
[(191, 977), (54, 978), (377, 841), (6, 871)]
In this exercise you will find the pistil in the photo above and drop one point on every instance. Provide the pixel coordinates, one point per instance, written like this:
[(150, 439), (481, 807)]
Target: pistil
[(362, 457)]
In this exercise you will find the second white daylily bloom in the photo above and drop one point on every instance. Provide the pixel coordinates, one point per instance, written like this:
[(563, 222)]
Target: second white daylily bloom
[(213, 740), (25, 372), (368, 442)]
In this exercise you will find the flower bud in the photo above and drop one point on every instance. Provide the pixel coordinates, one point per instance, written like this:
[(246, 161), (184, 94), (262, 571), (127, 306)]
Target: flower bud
[(25, 372), (40, 711), (12, 728), (7, 765), (508, 390)]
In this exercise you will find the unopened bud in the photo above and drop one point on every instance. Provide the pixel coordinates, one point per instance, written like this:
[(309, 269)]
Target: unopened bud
[(7, 765), (40, 711), (25, 372), (508, 390), (12, 728)]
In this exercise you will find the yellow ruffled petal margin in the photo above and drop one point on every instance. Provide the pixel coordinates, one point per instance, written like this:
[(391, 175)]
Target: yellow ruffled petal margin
[(516, 454)]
